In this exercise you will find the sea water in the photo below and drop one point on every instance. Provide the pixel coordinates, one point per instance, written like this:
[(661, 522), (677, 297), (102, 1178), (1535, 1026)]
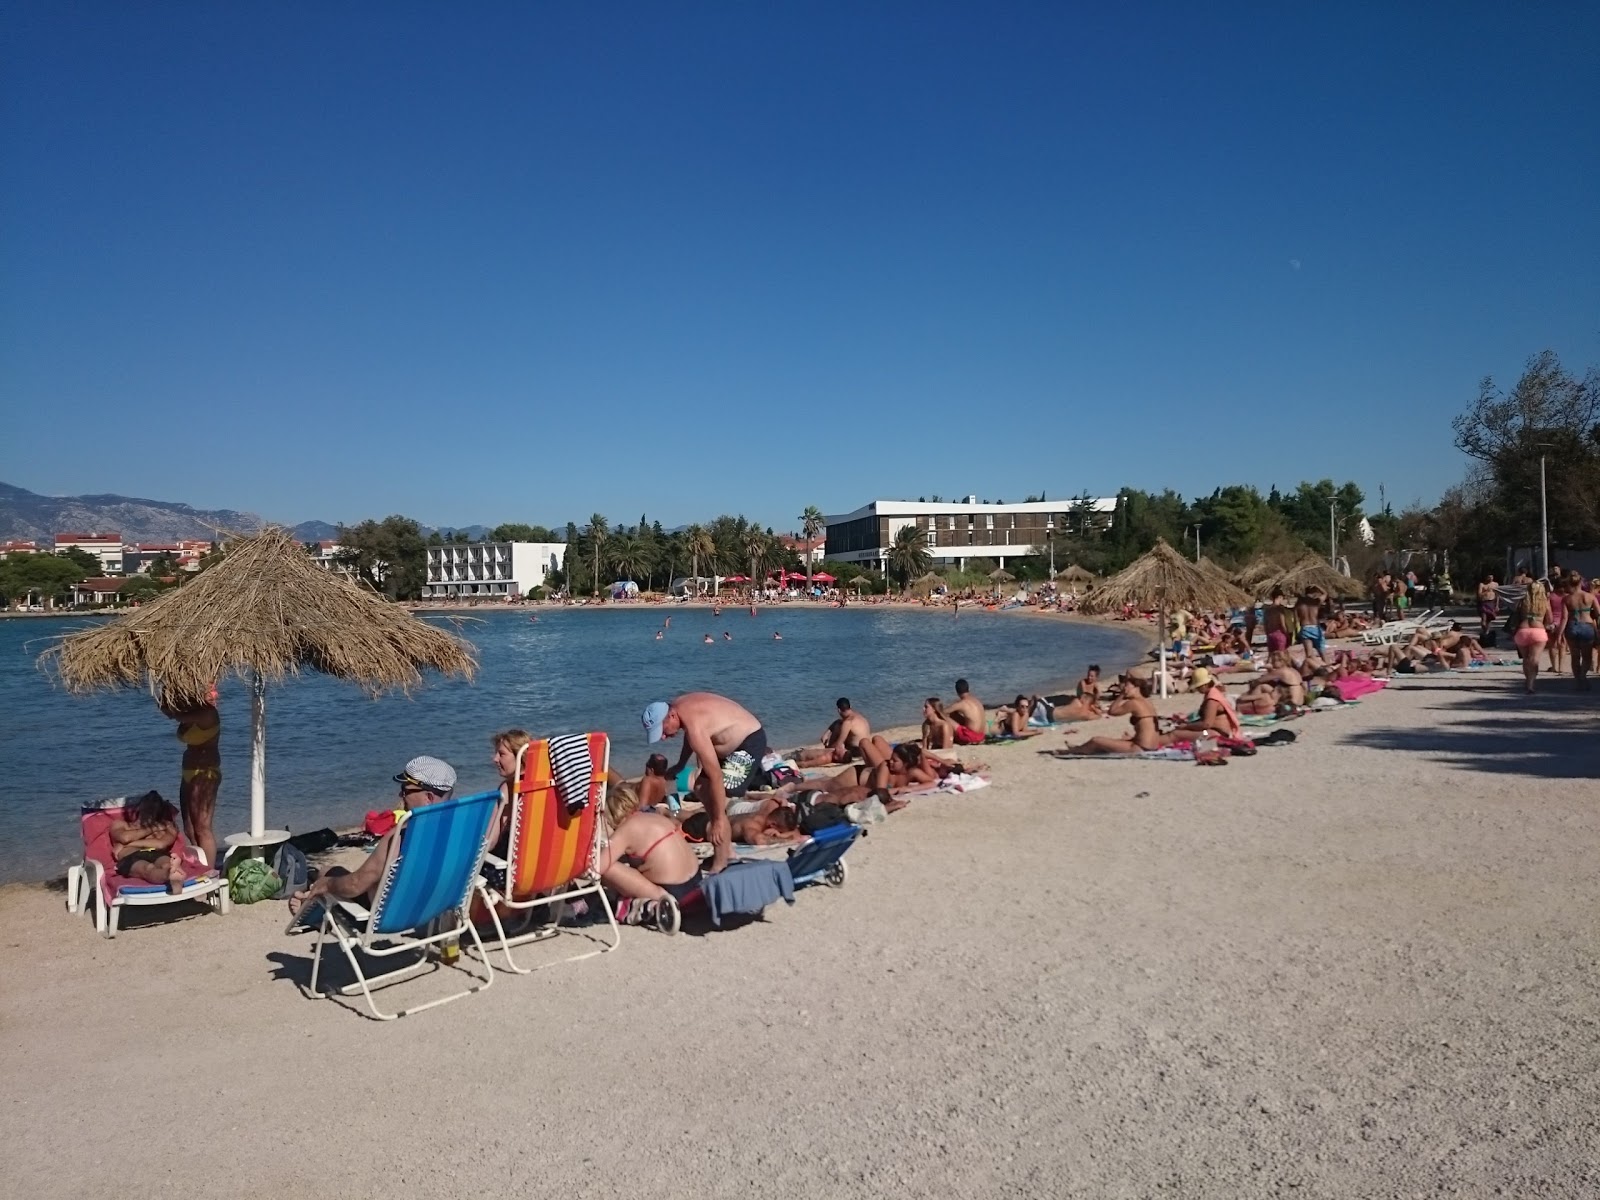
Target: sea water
[(332, 751)]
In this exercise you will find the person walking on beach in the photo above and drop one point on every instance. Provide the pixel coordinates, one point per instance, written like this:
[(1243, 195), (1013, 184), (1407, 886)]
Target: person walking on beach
[(728, 742), (199, 729), (1380, 597), (1275, 619), (1581, 605), (1488, 605), (1533, 612)]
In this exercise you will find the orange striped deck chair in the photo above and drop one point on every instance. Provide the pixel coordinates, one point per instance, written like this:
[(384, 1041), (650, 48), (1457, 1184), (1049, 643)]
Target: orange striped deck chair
[(553, 852)]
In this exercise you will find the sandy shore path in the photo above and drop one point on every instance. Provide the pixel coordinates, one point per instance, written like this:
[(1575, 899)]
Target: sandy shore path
[(1362, 965)]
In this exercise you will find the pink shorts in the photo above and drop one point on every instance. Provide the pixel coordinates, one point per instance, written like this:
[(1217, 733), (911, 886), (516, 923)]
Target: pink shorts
[(1530, 637), (1277, 640)]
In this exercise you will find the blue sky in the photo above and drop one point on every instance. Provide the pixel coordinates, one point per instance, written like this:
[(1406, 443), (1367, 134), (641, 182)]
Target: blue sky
[(523, 262)]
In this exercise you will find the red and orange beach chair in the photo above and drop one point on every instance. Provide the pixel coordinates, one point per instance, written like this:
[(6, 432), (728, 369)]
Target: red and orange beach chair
[(552, 854)]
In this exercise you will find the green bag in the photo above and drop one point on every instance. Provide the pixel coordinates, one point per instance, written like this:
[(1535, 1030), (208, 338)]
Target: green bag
[(250, 879)]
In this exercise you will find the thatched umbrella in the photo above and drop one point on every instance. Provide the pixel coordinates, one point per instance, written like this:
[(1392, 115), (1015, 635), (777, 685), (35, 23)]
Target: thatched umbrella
[(1076, 574), (1209, 568), (264, 612), (1259, 571), (928, 582), (860, 581), (1161, 579), (1312, 572), (1001, 575)]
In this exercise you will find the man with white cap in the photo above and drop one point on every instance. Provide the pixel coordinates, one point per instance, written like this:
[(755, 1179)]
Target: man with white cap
[(424, 781), (729, 743)]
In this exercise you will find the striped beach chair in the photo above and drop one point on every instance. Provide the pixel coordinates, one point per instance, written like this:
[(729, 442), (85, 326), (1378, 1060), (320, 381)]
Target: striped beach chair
[(554, 844), (421, 900)]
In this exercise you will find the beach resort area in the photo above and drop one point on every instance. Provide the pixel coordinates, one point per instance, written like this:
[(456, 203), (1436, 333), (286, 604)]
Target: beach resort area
[(1316, 922), (951, 601)]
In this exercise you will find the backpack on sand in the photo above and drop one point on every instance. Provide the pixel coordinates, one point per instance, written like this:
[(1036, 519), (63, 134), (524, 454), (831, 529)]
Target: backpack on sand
[(292, 869)]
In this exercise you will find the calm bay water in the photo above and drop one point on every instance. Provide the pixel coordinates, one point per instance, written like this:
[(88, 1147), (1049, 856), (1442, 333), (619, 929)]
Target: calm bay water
[(331, 751)]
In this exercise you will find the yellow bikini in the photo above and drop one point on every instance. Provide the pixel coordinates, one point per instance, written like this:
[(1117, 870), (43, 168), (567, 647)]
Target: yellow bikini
[(195, 736)]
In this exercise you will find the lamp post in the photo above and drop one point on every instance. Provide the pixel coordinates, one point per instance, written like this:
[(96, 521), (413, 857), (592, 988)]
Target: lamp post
[(1050, 539), (1544, 515), (1196, 528), (1333, 535)]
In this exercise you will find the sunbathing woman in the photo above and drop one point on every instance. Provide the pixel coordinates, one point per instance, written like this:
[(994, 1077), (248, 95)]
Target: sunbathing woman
[(142, 841), (938, 730), (1216, 715), (646, 859), (1135, 705), (1261, 699), (1581, 605)]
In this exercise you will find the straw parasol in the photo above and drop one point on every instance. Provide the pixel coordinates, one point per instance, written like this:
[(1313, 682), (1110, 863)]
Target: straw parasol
[(1312, 572), (1261, 569), (1076, 574), (928, 582), (1209, 568), (860, 581), (1001, 575), (1162, 579), (266, 611)]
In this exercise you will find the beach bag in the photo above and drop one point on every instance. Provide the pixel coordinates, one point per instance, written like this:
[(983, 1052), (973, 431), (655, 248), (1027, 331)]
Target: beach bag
[(251, 880), (293, 870), (814, 817)]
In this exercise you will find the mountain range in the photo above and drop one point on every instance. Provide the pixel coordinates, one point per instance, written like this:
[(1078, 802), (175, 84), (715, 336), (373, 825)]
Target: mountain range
[(28, 516)]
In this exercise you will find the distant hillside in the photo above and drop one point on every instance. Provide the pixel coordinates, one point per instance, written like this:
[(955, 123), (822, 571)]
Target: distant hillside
[(315, 531), (26, 515)]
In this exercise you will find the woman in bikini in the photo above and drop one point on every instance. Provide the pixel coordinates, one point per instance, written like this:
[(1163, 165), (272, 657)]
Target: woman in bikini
[(646, 860), (1556, 624), (508, 743), (1135, 705), (142, 843), (1533, 613), (938, 730), (1581, 605), (199, 728)]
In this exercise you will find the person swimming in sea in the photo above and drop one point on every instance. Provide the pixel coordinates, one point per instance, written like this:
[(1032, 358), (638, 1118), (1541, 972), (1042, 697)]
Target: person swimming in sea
[(708, 639), (726, 636), (776, 636), (659, 635)]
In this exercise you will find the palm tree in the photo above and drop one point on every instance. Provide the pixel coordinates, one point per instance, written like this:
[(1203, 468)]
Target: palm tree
[(909, 557), (812, 522), (625, 556), (699, 545), (755, 545), (598, 528)]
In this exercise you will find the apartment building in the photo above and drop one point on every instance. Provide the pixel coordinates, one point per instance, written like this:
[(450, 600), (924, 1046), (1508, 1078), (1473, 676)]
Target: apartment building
[(958, 531), (499, 570)]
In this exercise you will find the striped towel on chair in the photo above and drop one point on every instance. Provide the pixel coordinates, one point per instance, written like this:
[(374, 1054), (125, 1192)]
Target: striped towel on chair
[(572, 765)]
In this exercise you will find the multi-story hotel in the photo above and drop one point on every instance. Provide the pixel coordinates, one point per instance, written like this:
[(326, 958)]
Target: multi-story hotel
[(107, 547), (506, 570), (957, 532)]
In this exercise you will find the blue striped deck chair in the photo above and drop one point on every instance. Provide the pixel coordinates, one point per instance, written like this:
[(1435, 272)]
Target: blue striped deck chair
[(821, 860), (421, 900)]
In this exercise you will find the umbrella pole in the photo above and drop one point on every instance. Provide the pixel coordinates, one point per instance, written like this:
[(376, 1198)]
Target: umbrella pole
[(1161, 634), (258, 755)]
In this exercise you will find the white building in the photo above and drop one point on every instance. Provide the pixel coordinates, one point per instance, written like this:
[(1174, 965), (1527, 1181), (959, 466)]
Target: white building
[(107, 547), (962, 530), (504, 570), (329, 556)]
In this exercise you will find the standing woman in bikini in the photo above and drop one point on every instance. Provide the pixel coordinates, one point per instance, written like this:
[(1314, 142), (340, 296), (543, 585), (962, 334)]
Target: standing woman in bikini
[(1533, 611), (1556, 624), (1581, 605), (199, 729)]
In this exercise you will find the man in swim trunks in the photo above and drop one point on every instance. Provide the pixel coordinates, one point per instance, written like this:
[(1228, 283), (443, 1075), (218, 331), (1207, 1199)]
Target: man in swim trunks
[(1275, 619), (971, 724), (729, 743), (1308, 611), (1488, 604)]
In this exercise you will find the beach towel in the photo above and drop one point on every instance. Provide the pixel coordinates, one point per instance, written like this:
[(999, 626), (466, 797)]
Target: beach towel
[(572, 767), (958, 782), (747, 887)]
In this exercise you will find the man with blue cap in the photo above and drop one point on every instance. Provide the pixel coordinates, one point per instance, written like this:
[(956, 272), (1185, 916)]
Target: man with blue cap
[(728, 742), (424, 781)]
